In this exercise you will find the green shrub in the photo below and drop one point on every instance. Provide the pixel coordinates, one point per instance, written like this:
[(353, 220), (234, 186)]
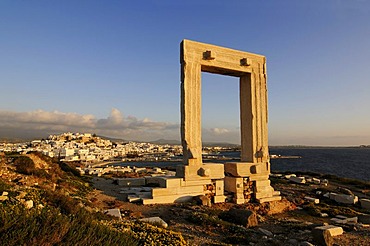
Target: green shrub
[(24, 165), (69, 169), (19, 226), (4, 186), (148, 235), (66, 204)]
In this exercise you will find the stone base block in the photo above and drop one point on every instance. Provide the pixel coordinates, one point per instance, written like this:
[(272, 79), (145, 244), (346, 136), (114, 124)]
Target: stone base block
[(164, 182), (195, 182), (259, 177), (239, 201), (243, 169), (219, 187), (262, 183), (234, 184), (269, 199), (219, 199), (201, 172), (177, 191), (269, 191), (276, 193), (262, 189), (169, 199)]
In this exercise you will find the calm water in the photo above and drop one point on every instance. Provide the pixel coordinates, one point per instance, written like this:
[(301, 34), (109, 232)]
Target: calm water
[(343, 162)]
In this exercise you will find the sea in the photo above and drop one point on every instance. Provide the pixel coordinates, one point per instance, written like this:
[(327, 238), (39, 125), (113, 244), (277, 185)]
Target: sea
[(347, 162)]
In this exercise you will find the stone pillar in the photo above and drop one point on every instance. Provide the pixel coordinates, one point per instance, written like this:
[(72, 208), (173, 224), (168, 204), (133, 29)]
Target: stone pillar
[(191, 135), (253, 118), (247, 119)]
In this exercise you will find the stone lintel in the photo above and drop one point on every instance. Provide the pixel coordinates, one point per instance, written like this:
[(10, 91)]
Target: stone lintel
[(220, 60)]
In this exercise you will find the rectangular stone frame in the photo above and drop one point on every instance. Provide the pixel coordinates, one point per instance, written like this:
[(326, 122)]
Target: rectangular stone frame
[(198, 57)]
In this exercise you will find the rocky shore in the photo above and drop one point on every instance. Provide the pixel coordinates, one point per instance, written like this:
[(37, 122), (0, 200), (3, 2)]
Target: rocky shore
[(307, 215)]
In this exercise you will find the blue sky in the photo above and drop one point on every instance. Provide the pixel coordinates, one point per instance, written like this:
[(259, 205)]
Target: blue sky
[(112, 67)]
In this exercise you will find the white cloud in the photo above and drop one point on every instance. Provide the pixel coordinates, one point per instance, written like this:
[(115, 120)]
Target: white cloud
[(219, 131), (221, 135), (40, 123), (115, 125)]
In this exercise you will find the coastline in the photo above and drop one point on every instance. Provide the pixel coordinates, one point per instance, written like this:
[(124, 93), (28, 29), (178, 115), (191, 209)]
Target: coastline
[(104, 163)]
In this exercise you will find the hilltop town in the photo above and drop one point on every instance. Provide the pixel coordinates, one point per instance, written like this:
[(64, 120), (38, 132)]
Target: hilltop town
[(88, 148)]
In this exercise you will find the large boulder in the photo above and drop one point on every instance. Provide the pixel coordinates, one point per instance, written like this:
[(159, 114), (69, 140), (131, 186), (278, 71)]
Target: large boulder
[(242, 217), (203, 200), (364, 218), (322, 237)]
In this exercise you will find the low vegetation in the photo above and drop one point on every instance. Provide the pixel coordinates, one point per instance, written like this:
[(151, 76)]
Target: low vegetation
[(147, 234), (47, 226), (60, 213)]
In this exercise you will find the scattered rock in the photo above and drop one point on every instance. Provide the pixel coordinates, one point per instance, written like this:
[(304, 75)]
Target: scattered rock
[(365, 203), (343, 198), (305, 243), (293, 241), (364, 218), (115, 212), (28, 204), (3, 198), (316, 181), (322, 237), (340, 219), (277, 207), (203, 200), (21, 195), (311, 199), (266, 232), (289, 175), (345, 191), (298, 180), (157, 221), (324, 215), (333, 230), (242, 217)]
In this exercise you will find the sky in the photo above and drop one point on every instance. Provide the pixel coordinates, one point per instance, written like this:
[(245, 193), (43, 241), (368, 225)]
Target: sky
[(112, 68)]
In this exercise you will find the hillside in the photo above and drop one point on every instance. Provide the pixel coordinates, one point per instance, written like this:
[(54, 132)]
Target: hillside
[(50, 204)]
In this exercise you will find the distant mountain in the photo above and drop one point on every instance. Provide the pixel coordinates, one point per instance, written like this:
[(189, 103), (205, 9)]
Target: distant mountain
[(21, 135), (206, 144), (116, 140), (166, 141), (220, 144)]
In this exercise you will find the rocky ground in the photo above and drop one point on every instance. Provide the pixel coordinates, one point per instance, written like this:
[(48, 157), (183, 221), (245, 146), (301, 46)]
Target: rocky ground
[(291, 221), (287, 222)]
